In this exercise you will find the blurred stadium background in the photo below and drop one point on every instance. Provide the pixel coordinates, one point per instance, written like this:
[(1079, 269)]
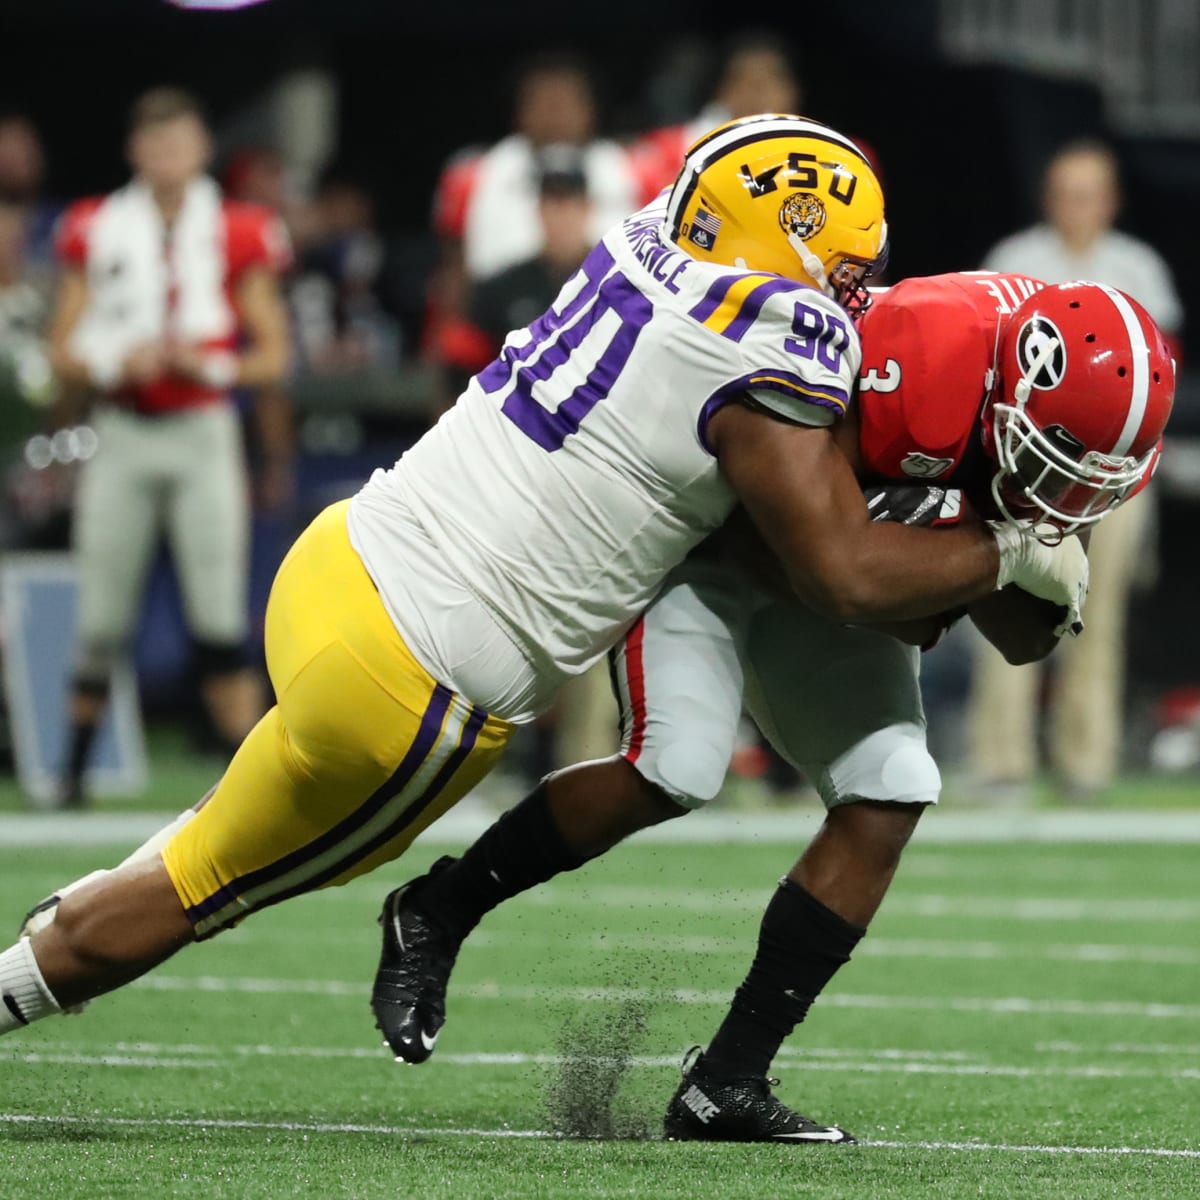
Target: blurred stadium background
[(347, 115), (1018, 1024)]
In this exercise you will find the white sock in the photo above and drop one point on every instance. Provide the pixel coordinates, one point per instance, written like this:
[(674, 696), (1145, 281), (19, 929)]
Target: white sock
[(24, 993), (154, 844)]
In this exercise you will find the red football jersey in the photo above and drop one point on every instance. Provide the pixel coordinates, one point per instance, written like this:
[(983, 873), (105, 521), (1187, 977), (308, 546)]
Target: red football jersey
[(929, 346)]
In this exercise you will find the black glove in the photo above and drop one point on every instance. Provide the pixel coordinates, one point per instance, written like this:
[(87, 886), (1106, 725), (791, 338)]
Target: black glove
[(914, 503)]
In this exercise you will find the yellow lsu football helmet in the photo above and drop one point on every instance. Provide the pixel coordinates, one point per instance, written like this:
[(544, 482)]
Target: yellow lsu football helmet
[(787, 195)]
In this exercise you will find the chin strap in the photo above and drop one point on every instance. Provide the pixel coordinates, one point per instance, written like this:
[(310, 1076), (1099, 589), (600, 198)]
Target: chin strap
[(1025, 383), (811, 264)]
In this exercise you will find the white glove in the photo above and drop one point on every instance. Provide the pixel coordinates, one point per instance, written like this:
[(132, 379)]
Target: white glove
[(1056, 573)]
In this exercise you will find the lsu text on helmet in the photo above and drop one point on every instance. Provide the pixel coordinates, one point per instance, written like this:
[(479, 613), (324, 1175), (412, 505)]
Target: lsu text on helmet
[(1083, 388), (786, 195)]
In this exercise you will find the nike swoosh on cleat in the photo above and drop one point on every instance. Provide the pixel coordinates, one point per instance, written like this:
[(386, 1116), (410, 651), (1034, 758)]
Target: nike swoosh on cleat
[(427, 1041), (399, 931), (828, 1135)]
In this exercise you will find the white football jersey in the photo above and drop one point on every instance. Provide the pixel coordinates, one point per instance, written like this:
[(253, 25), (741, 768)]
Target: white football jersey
[(574, 473)]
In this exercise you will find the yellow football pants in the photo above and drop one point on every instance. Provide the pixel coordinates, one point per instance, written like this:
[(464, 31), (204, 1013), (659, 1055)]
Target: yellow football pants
[(362, 751)]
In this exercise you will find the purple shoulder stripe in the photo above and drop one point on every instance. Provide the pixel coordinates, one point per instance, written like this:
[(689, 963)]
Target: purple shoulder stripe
[(753, 305)]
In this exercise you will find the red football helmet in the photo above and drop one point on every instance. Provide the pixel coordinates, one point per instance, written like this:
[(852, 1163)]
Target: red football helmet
[(1082, 388)]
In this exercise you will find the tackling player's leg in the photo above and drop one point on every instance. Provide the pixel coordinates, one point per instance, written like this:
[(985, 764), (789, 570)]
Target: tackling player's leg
[(362, 752)]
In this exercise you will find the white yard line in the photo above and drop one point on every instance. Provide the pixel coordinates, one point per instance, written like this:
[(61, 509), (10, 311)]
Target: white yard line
[(871, 947), (937, 905), (1013, 1005), (414, 1131), (113, 1060), (789, 826), (286, 1126), (1044, 908), (1134, 1048), (864, 1064), (492, 1058), (966, 950), (1007, 1148)]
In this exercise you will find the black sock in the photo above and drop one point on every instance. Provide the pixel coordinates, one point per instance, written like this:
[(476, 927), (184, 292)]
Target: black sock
[(83, 735), (801, 944), (522, 849)]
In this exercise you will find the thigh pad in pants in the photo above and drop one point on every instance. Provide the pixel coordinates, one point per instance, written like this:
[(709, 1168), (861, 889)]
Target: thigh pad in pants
[(842, 704)]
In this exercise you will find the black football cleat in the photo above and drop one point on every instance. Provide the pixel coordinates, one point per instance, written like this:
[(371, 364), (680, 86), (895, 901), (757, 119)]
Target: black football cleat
[(409, 995), (705, 1108)]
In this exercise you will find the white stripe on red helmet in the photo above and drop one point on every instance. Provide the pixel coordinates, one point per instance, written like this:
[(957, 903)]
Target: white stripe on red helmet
[(1140, 390)]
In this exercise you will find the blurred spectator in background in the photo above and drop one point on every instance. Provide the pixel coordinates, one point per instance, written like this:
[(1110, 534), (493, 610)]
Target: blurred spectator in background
[(255, 175), (160, 281), (22, 177), (1080, 200), (754, 76), (486, 206), (518, 294), (27, 385), (341, 325), (26, 380)]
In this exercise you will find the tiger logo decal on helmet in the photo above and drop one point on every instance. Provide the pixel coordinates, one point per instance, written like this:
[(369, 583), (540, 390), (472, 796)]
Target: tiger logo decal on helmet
[(803, 214), (785, 195)]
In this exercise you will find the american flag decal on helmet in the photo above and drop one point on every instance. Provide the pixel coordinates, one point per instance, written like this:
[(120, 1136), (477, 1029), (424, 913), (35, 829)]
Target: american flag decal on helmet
[(705, 227)]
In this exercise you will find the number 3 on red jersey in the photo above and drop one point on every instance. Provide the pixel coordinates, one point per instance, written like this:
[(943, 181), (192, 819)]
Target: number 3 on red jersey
[(872, 381)]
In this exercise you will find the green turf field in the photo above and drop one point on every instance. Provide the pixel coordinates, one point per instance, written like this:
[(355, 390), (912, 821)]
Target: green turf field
[(1020, 1023)]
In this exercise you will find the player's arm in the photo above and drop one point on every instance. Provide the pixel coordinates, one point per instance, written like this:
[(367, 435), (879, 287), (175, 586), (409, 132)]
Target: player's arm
[(268, 347), (799, 490), (69, 304)]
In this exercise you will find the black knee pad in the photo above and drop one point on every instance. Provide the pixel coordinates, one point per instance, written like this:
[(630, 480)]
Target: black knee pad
[(219, 658)]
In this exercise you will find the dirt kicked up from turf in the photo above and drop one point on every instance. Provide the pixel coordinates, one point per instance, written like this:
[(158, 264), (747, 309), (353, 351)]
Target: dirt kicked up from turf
[(583, 1090)]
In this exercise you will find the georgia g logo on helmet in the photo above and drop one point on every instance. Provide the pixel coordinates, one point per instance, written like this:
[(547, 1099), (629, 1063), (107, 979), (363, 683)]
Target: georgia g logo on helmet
[(1042, 370), (1084, 386)]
